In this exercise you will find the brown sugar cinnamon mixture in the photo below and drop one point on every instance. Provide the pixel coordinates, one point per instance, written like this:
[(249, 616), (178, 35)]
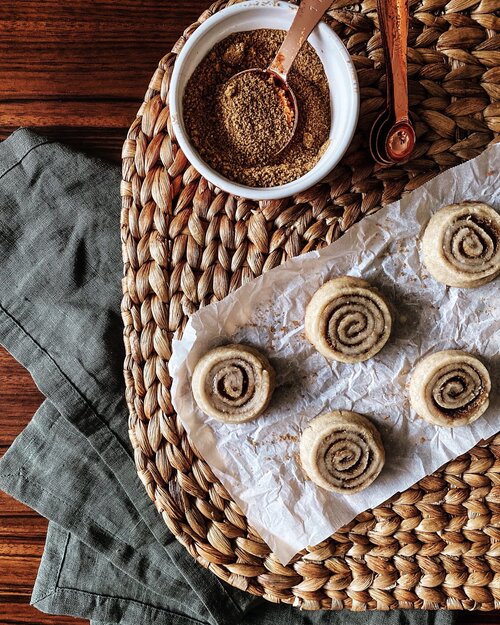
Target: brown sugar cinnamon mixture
[(239, 124)]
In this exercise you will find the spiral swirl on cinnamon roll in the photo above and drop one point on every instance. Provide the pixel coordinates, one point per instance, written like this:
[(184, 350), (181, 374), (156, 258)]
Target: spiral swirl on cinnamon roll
[(450, 388), (461, 244), (342, 451), (348, 320), (233, 383)]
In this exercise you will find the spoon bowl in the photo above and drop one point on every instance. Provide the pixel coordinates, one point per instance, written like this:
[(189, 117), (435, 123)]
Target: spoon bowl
[(400, 141), (391, 142), (283, 91)]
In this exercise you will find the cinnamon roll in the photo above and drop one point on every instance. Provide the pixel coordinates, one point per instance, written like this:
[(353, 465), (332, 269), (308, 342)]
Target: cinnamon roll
[(233, 383), (348, 320), (450, 388), (461, 244), (342, 451)]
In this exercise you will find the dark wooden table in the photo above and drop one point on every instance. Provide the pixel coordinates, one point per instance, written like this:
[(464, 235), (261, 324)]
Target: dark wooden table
[(76, 71)]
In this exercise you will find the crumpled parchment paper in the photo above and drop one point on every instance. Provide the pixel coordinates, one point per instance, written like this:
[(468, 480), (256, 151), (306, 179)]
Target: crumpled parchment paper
[(258, 461)]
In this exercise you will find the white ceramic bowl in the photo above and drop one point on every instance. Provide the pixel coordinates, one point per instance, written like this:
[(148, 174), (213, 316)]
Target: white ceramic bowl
[(342, 79)]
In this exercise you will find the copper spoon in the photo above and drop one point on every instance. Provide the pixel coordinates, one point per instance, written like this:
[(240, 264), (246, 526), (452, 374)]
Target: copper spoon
[(308, 15), (392, 137)]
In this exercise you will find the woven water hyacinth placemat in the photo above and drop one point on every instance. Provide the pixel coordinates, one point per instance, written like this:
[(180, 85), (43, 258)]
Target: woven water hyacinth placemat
[(186, 244)]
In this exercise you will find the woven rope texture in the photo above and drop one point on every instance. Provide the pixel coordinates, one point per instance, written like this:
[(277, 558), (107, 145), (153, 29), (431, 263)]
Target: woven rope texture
[(186, 244)]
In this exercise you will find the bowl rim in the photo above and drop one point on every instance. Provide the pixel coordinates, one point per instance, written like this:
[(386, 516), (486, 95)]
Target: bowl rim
[(310, 178)]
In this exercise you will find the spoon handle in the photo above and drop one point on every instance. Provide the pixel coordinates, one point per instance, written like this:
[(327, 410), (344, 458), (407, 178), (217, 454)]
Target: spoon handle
[(393, 17), (307, 17)]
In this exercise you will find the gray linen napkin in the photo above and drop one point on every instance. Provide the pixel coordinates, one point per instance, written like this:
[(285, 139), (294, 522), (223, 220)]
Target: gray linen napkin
[(108, 557)]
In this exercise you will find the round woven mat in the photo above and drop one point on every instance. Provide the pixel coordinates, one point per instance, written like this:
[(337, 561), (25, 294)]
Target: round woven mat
[(186, 244)]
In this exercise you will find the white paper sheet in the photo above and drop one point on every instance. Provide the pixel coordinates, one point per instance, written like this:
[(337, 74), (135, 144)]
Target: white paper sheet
[(257, 461)]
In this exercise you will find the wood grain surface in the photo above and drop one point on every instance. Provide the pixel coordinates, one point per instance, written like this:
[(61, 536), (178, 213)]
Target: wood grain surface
[(76, 71)]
